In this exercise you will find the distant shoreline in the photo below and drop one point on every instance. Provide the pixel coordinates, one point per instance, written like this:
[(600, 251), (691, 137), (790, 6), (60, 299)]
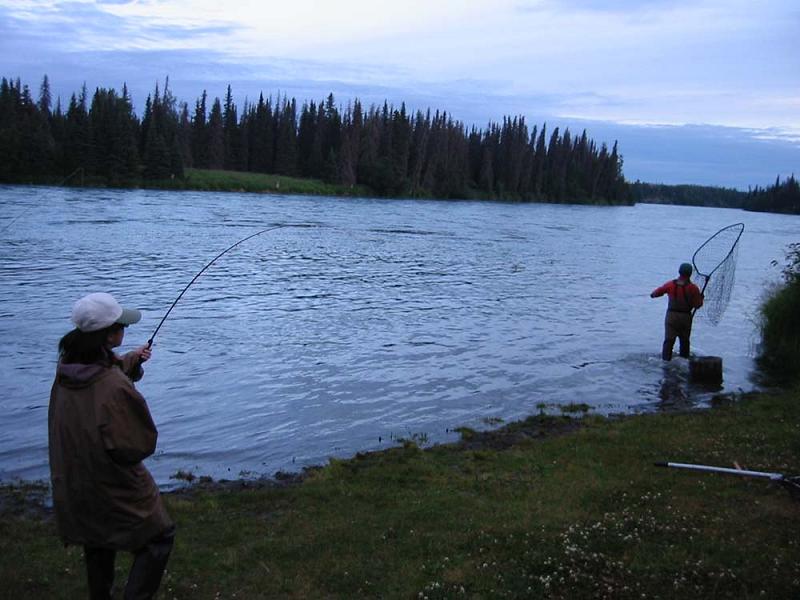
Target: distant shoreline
[(209, 180)]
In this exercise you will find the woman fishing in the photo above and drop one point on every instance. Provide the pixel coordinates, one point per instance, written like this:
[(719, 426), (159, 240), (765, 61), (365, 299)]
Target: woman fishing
[(100, 430)]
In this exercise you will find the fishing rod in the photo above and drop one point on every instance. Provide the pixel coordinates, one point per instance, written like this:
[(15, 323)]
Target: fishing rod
[(790, 483), (152, 337)]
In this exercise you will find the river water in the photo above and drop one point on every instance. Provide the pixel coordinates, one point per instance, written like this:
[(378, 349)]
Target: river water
[(360, 322)]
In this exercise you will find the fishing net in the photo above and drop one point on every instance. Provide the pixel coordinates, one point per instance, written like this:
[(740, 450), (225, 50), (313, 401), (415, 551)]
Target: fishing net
[(715, 266)]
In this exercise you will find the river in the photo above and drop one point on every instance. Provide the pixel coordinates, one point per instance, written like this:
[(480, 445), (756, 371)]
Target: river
[(360, 322)]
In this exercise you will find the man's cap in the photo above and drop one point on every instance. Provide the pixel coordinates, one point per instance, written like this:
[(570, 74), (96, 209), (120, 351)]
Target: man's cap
[(100, 310), (685, 269)]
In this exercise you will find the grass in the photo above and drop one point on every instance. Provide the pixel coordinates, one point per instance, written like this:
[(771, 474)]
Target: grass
[(218, 180), (237, 181), (547, 507)]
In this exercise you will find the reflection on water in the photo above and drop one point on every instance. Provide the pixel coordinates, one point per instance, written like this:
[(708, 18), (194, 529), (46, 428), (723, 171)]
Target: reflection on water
[(673, 391), (359, 321), (677, 391)]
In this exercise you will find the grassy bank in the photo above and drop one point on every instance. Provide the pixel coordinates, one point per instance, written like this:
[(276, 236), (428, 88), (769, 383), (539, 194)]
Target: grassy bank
[(211, 180), (546, 507), (208, 180)]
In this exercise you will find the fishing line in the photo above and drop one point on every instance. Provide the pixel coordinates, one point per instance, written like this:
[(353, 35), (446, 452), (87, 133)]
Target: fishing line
[(152, 337), (17, 218), (26, 210)]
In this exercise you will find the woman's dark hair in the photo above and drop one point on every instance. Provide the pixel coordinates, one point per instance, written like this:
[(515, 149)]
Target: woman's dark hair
[(86, 347)]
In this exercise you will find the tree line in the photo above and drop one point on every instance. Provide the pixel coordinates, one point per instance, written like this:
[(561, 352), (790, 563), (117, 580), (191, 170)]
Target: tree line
[(388, 149), (687, 195), (782, 197)]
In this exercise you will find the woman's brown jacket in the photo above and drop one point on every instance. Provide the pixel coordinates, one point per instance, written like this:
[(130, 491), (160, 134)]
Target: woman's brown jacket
[(100, 429)]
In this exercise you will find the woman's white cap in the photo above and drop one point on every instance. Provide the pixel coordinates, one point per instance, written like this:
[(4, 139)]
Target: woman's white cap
[(100, 310)]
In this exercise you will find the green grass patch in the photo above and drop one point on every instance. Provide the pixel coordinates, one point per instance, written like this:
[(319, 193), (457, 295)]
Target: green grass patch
[(238, 181), (576, 407), (583, 514)]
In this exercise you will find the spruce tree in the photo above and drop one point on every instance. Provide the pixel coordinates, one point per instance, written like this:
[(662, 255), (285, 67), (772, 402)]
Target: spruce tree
[(230, 133), (216, 137), (75, 148), (199, 134), (45, 99), (261, 133)]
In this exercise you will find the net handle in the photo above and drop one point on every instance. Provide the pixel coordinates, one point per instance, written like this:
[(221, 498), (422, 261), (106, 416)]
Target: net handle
[(702, 291)]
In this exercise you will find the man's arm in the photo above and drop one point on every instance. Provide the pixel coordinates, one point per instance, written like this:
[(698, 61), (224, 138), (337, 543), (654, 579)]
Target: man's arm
[(660, 291), (697, 298)]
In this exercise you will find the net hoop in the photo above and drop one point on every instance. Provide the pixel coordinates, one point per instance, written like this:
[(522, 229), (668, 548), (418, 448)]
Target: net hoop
[(715, 261), (740, 226)]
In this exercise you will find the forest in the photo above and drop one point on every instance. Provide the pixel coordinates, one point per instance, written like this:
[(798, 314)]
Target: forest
[(385, 148), (687, 195), (781, 197)]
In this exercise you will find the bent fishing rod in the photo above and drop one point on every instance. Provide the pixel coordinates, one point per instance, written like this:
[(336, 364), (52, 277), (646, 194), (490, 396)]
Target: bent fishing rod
[(152, 337)]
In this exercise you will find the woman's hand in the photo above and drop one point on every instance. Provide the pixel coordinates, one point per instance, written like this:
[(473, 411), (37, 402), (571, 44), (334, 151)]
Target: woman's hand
[(144, 353)]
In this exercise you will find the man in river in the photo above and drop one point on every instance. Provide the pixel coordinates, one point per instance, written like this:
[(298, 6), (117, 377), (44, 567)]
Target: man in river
[(684, 298), (100, 430)]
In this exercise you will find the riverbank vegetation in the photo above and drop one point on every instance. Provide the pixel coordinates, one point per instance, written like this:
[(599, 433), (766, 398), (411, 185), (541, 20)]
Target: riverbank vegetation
[(99, 139), (548, 507), (779, 355), (781, 197), (687, 195)]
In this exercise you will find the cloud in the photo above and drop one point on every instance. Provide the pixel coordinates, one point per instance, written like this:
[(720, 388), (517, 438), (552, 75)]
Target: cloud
[(87, 26), (733, 64), (608, 6)]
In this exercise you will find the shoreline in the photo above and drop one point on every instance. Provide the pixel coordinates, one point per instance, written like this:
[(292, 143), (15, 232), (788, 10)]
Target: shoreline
[(209, 180), (33, 496), (551, 507)]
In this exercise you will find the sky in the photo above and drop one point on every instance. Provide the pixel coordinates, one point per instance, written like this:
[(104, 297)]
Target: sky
[(695, 91)]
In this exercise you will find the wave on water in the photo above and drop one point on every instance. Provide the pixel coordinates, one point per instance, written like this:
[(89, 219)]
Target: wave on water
[(405, 231), (86, 222)]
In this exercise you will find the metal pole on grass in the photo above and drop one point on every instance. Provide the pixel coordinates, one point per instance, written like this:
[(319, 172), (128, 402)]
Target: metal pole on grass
[(790, 483)]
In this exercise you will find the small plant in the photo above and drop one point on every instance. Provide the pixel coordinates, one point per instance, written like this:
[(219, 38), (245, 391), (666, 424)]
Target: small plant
[(415, 439), (575, 407), (465, 432), (184, 475)]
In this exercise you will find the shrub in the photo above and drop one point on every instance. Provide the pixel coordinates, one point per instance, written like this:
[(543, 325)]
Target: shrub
[(779, 356)]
